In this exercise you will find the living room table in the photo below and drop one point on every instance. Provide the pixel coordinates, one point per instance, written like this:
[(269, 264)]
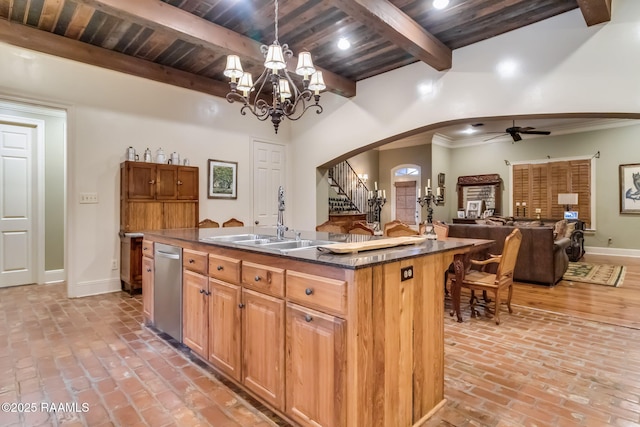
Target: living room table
[(461, 264)]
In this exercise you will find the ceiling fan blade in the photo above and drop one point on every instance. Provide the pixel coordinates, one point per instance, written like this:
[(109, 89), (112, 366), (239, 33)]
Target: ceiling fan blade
[(516, 136), (494, 137), (536, 132), (525, 129)]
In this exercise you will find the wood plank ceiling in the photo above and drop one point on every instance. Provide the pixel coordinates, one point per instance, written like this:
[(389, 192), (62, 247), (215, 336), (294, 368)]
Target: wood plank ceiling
[(185, 42)]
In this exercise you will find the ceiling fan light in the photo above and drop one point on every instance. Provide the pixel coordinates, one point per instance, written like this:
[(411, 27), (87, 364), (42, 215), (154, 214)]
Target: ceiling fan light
[(440, 4), (305, 65), (275, 58), (233, 70), (317, 82)]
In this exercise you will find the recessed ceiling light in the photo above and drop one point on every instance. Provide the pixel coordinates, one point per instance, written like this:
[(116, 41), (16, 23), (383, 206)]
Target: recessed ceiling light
[(344, 44), (440, 4), (469, 131)]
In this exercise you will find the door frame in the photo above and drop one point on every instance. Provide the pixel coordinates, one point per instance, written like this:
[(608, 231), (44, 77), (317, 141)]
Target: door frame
[(417, 178), (37, 186), (46, 108)]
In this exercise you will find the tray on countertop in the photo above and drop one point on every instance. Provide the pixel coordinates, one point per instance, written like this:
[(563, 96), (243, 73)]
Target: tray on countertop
[(390, 242)]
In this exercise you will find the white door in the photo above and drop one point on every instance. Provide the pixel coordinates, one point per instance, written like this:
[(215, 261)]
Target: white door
[(268, 175), (17, 266)]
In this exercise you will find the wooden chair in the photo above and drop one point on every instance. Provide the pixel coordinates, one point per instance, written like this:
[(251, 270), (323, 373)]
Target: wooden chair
[(331, 227), (208, 223), (390, 224), (401, 230), (441, 229), (233, 223), (360, 228), (475, 280)]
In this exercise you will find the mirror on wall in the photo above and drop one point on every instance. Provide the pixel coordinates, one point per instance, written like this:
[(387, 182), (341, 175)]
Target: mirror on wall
[(480, 188)]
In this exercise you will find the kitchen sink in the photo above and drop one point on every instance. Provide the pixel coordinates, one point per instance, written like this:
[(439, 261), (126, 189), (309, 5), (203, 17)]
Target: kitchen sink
[(236, 238), (267, 242)]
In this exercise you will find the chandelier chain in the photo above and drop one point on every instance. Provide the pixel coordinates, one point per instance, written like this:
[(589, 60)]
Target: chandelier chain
[(276, 19)]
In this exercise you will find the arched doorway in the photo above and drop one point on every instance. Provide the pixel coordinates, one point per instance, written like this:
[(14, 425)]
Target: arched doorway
[(405, 181)]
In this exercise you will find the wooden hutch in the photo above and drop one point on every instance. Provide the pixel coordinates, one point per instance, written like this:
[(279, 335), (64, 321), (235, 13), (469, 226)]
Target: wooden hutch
[(153, 196)]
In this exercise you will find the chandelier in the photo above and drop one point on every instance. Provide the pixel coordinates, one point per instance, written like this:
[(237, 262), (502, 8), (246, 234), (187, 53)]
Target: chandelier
[(284, 102)]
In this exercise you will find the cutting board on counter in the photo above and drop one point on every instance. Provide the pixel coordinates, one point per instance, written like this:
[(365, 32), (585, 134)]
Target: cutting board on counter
[(390, 242)]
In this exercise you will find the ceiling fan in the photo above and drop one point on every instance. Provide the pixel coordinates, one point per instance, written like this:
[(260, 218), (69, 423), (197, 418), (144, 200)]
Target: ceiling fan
[(516, 131)]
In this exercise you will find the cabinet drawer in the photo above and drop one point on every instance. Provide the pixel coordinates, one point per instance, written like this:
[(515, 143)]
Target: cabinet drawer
[(265, 279), (224, 268), (194, 261), (147, 248), (317, 292)]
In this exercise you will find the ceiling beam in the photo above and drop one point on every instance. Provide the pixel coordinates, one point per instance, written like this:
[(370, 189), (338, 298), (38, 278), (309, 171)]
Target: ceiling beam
[(397, 27), (52, 44), (595, 11), (183, 25)]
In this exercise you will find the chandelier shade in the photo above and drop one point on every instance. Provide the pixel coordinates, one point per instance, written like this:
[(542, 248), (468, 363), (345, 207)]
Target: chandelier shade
[(274, 83)]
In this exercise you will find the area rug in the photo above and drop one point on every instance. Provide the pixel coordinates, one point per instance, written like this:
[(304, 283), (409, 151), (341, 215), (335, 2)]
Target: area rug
[(596, 274)]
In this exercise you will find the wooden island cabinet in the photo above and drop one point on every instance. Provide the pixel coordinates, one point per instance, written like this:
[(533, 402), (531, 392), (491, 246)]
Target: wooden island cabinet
[(323, 340)]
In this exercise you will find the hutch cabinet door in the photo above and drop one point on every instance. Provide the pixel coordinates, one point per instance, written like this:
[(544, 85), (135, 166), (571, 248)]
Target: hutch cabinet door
[(167, 182), (187, 183), (141, 180)]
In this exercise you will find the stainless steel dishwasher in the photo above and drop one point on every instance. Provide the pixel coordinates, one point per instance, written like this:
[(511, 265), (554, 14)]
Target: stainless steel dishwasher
[(167, 293)]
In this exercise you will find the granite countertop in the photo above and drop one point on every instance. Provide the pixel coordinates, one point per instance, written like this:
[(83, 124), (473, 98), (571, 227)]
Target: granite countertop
[(310, 254)]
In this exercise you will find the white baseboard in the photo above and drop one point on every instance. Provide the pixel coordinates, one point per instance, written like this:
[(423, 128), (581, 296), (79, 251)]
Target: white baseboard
[(54, 276), (94, 287), (597, 250)]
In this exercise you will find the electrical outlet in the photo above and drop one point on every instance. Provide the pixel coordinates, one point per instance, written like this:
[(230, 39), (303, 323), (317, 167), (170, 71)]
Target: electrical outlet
[(88, 197), (114, 264), (406, 273)]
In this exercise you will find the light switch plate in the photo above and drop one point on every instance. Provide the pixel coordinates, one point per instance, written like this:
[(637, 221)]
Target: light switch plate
[(88, 197)]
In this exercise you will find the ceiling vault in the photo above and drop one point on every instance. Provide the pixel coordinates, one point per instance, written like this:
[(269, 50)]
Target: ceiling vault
[(184, 42)]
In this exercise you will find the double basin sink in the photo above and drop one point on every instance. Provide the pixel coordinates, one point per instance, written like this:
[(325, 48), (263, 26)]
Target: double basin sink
[(263, 241)]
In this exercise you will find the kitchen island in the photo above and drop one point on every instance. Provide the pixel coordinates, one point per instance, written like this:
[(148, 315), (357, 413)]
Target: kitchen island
[(324, 339)]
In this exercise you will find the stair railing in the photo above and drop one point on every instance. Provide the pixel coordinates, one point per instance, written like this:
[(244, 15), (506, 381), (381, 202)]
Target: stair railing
[(349, 185)]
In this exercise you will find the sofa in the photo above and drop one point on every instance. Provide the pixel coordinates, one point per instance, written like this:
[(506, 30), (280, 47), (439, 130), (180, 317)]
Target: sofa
[(543, 253)]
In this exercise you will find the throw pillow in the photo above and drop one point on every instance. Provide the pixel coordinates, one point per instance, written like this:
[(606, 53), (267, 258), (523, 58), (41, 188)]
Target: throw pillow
[(570, 229), (481, 221), (560, 229)]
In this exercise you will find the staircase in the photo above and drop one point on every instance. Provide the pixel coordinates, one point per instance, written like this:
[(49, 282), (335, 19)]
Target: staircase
[(352, 192)]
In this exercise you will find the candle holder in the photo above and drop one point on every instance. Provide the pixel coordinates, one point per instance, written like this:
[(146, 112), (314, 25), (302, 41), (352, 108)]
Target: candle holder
[(429, 199), (376, 201)]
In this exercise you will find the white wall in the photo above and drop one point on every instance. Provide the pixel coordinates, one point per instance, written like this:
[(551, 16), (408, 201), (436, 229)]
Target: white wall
[(108, 111), (564, 67)]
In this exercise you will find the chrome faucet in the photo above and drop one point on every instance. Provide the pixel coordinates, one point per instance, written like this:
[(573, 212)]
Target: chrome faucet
[(280, 227)]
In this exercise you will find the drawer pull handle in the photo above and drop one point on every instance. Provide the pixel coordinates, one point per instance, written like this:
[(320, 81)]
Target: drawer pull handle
[(145, 248), (241, 305), (308, 318), (202, 291), (257, 278), (179, 182), (207, 293), (148, 270), (153, 181), (308, 291), (220, 267), (191, 260)]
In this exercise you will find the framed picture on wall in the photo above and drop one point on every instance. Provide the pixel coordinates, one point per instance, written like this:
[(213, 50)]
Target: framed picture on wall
[(630, 188), (222, 182)]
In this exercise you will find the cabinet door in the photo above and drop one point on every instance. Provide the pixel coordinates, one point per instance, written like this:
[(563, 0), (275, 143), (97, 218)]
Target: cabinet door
[(143, 216), (187, 183), (141, 180), (224, 327), (179, 215), (316, 363), (147, 288), (166, 182), (262, 346), (194, 312)]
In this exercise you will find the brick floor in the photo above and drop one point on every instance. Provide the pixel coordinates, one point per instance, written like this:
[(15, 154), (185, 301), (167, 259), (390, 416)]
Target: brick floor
[(537, 368)]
